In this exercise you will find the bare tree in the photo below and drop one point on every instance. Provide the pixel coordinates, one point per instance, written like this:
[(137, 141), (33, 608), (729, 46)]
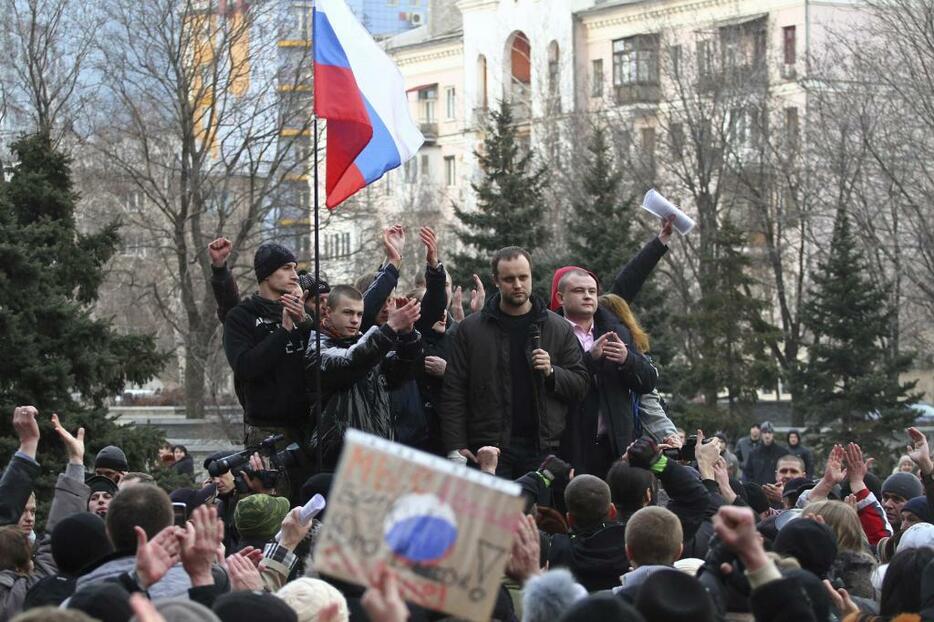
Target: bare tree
[(48, 45), (211, 140)]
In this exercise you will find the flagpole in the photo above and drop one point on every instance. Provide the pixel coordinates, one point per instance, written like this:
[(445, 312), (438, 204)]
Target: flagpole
[(314, 131)]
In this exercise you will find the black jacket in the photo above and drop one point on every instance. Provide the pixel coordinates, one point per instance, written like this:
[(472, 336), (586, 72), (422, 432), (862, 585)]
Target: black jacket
[(356, 376), (16, 485), (267, 362), (760, 467), (477, 397), (226, 292), (596, 557), (805, 454), (612, 392), (185, 466)]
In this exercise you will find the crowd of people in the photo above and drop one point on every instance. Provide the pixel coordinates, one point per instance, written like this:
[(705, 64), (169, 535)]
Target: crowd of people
[(626, 516)]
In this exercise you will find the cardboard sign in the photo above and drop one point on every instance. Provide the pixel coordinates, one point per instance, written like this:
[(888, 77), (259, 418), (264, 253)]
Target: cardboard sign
[(445, 530)]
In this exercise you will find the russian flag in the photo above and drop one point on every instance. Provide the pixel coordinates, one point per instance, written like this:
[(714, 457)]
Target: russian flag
[(361, 93)]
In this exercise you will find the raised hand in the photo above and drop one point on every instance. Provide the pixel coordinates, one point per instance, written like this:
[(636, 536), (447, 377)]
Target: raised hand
[(721, 475), (526, 549), (155, 557), (219, 250), (457, 304), (382, 600), (736, 528), (293, 529), (834, 471), (488, 459), (856, 468), (243, 574), (706, 455), (402, 319), (27, 429), (430, 240), (919, 452), (198, 544), (394, 244), (664, 234), (477, 295), (73, 444)]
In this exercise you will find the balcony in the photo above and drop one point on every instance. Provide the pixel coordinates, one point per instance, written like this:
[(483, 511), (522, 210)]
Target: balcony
[(429, 130), (638, 93)]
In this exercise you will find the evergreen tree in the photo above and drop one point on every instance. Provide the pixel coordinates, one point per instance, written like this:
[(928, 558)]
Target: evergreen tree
[(510, 206), (601, 238), (599, 226), (54, 354), (850, 384), (727, 339)]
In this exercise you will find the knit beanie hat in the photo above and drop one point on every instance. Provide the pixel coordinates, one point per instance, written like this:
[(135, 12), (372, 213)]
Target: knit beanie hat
[(309, 596), (812, 544), (674, 596), (756, 498), (602, 607), (252, 606), (111, 457), (89, 531), (105, 601), (184, 610), (260, 516), (193, 498), (270, 257), (308, 283), (919, 507), (548, 595), (99, 483), (905, 485), (918, 536)]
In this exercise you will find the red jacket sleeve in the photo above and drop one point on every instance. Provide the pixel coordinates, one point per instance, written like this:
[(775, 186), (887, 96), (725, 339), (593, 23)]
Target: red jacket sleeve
[(872, 517)]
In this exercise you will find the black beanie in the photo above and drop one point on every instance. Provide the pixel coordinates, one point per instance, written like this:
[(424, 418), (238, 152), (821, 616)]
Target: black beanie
[(86, 529), (601, 607), (105, 601), (675, 596), (99, 483), (250, 606), (812, 544), (270, 257), (111, 457), (756, 498)]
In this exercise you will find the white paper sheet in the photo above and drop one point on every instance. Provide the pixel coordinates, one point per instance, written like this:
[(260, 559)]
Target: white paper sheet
[(656, 204)]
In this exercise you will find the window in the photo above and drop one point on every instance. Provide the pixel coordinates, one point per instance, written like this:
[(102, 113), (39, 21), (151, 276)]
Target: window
[(635, 60), (704, 58), (677, 139), (450, 171), (411, 170), (337, 245), (647, 135), (737, 128), (387, 182), (450, 103), (596, 82), (791, 128), (553, 58), (789, 43), (300, 22), (426, 170), (427, 98), (674, 53)]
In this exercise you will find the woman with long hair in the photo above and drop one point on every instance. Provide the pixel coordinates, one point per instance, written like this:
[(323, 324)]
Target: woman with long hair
[(652, 416)]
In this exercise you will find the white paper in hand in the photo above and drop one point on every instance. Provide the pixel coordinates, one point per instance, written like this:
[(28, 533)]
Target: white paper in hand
[(655, 203), (309, 511)]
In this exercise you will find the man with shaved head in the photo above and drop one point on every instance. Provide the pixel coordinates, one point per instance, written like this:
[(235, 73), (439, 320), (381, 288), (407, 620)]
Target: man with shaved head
[(595, 549)]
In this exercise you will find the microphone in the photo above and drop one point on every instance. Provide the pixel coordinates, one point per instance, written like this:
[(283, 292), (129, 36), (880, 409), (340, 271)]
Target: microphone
[(535, 336)]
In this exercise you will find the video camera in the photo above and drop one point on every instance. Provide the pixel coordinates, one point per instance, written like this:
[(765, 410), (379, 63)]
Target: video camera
[(686, 452), (279, 460)]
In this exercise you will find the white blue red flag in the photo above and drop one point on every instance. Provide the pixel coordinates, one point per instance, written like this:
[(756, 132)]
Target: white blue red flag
[(361, 93)]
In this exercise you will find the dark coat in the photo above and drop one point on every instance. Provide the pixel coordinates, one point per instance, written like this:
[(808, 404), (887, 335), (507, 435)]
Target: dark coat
[(185, 466), (356, 376), (267, 362), (760, 467), (477, 398), (612, 392), (806, 455), (596, 557), (16, 485)]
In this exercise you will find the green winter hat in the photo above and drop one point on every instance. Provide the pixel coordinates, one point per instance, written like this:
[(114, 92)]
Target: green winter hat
[(260, 516)]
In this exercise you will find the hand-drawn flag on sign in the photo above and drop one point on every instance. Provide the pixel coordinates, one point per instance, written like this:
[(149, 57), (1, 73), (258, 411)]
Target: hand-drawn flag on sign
[(361, 93), (444, 529)]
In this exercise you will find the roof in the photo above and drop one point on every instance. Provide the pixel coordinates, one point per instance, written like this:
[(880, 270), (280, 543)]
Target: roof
[(420, 36)]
